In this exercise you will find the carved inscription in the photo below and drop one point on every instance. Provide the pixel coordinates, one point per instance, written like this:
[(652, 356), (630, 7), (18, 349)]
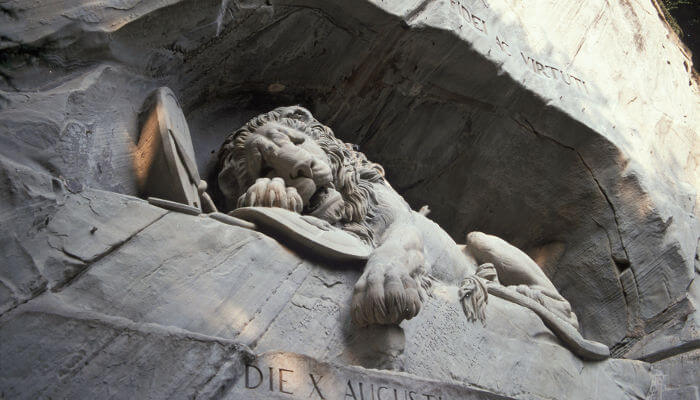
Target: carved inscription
[(551, 72), (254, 378), (370, 391), (476, 22), (540, 68), (277, 380)]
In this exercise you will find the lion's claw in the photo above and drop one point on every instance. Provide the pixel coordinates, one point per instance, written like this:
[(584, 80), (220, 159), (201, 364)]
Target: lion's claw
[(266, 192), (385, 295), (294, 202)]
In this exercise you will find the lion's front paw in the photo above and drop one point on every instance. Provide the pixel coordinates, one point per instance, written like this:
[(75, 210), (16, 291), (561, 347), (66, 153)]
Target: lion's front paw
[(385, 294), (266, 192)]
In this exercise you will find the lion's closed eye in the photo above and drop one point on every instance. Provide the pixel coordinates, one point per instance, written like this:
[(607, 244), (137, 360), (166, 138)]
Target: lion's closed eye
[(281, 135), (295, 136)]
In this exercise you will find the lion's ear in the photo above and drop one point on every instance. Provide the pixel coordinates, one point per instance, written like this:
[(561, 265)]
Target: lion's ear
[(303, 114)]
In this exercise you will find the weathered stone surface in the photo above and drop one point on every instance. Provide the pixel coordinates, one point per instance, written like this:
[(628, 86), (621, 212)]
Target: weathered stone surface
[(674, 338), (182, 305), (54, 352), (681, 376), (669, 339), (478, 108), (72, 349), (494, 97), (82, 127), (49, 235)]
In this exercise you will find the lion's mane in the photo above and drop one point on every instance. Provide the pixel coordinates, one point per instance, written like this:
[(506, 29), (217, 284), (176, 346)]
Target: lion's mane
[(353, 174)]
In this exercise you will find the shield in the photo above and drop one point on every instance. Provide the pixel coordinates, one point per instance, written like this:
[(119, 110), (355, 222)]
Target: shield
[(164, 158)]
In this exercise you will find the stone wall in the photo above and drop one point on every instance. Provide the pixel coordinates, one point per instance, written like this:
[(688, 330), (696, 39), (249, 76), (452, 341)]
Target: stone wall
[(567, 128)]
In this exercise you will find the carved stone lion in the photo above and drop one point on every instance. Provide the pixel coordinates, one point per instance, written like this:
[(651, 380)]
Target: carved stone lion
[(287, 159)]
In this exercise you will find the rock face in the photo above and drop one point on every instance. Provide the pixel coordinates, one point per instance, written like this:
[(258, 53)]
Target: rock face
[(568, 129), (192, 310)]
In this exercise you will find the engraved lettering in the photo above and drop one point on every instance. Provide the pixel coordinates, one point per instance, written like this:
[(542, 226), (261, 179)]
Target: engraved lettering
[(349, 391), (551, 71), (379, 392), (282, 381), (580, 82), (362, 393), (468, 15), (247, 377), (540, 68), (316, 389), (525, 60), (563, 77), (477, 23), (503, 45), (583, 83), (271, 373), (481, 22)]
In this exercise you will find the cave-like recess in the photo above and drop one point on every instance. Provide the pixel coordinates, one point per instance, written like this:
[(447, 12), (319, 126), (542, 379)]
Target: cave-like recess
[(450, 128)]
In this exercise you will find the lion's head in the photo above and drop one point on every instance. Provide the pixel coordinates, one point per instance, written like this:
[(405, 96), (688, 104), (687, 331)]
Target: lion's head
[(289, 143)]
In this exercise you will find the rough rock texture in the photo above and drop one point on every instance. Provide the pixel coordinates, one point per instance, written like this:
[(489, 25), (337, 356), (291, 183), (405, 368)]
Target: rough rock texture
[(188, 311), (681, 376), (568, 128), (50, 235)]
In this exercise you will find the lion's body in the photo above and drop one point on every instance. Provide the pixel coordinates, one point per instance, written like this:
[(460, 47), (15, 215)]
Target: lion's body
[(286, 158)]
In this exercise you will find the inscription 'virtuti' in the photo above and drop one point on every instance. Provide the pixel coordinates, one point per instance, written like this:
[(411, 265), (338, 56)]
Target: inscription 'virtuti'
[(551, 72), (540, 68)]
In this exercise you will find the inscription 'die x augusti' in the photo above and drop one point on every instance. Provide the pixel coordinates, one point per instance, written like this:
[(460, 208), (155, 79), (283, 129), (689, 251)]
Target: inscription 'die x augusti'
[(271, 379), (539, 68)]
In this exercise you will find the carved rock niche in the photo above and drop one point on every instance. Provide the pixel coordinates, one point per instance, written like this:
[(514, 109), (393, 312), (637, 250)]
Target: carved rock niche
[(501, 119)]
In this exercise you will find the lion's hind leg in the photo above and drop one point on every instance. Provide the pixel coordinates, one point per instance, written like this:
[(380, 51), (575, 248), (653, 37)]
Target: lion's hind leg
[(517, 270), (513, 266)]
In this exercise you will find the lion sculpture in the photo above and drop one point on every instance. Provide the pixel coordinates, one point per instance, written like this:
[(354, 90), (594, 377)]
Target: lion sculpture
[(287, 159)]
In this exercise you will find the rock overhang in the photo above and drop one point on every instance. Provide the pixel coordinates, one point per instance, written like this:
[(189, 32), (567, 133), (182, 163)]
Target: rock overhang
[(469, 106)]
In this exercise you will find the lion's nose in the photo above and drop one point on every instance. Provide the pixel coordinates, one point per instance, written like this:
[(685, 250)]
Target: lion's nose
[(302, 168)]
